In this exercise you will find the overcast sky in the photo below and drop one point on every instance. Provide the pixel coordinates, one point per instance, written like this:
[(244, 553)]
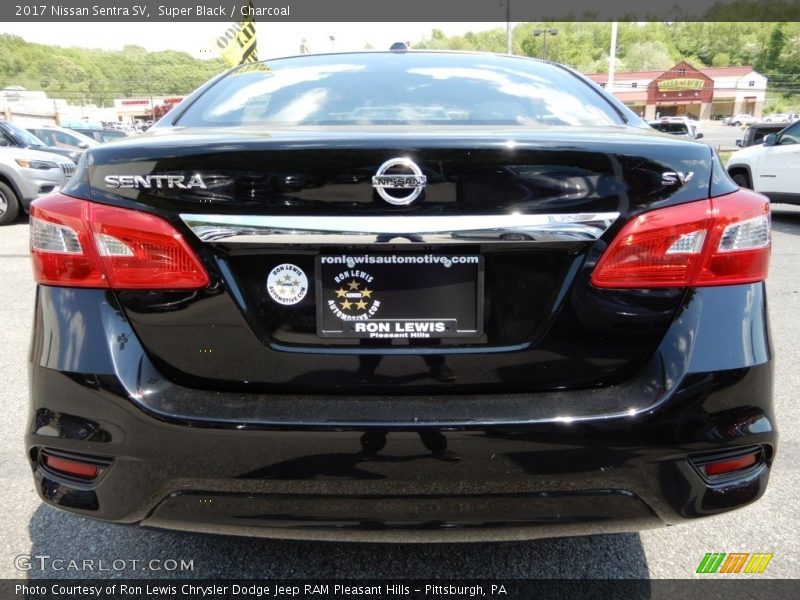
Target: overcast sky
[(274, 39)]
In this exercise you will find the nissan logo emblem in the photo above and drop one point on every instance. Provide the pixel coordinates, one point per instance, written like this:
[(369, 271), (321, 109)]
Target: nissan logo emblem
[(399, 174)]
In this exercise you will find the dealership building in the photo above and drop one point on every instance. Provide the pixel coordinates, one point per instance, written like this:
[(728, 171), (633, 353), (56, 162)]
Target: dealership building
[(707, 93), (130, 110), (30, 108)]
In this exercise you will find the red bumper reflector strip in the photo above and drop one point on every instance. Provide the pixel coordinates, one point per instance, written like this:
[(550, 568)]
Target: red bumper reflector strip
[(71, 467), (730, 465)]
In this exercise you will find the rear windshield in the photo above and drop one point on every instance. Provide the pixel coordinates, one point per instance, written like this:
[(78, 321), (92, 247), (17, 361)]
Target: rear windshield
[(27, 138), (759, 133), (673, 128), (401, 89)]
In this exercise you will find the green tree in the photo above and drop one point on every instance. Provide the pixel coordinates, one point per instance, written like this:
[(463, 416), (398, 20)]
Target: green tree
[(721, 59), (648, 55), (774, 49), (100, 76)]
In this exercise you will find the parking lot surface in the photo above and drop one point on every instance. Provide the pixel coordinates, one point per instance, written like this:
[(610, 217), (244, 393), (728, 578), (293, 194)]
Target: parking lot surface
[(28, 528)]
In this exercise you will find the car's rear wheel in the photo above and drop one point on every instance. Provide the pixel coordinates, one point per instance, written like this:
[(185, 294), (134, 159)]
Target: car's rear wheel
[(742, 180), (9, 204)]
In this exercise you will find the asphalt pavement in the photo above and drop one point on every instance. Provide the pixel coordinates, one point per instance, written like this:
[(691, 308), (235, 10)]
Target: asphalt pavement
[(28, 528), (720, 136)]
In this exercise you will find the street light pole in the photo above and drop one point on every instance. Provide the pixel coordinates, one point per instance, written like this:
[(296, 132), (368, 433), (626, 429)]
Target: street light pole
[(544, 33)]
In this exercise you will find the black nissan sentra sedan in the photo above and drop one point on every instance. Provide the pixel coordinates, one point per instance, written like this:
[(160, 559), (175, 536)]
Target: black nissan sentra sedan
[(401, 296)]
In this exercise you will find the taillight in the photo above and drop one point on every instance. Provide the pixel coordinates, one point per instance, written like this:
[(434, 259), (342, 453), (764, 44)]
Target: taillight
[(719, 241), (75, 243)]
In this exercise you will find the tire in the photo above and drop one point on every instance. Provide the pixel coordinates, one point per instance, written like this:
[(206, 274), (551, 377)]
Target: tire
[(9, 204), (742, 180)]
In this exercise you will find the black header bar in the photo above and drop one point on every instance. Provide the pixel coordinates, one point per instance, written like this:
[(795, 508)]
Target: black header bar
[(404, 11)]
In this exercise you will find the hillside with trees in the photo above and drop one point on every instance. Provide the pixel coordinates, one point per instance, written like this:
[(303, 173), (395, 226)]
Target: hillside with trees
[(99, 76)]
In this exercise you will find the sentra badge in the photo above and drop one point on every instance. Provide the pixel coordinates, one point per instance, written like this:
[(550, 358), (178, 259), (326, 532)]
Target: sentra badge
[(354, 296), (287, 284), (399, 174), (149, 182)]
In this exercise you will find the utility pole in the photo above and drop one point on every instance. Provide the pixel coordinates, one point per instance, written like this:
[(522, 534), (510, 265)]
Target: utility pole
[(509, 45), (150, 91), (612, 58)]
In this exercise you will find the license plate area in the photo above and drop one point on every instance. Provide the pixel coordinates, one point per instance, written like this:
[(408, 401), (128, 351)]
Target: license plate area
[(399, 296)]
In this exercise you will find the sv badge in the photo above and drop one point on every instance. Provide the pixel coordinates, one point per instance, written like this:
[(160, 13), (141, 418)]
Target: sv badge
[(673, 177)]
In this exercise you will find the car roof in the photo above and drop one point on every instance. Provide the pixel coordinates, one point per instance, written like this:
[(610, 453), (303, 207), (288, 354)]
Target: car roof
[(78, 134)]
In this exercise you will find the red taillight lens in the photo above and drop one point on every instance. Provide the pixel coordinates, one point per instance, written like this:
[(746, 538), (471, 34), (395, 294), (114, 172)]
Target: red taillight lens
[(76, 243), (719, 241)]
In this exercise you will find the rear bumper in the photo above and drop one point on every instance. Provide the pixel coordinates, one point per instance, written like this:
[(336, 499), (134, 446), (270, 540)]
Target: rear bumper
[(437, 468)]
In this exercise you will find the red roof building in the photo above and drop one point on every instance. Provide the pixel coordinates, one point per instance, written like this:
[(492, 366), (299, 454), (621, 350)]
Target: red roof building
[(707, 93)]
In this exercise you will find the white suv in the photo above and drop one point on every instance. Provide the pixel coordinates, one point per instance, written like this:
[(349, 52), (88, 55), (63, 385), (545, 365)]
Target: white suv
[(27, 174), (772, 168)]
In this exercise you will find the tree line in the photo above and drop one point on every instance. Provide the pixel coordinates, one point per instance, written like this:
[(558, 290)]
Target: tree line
[(771, 48), (99, 76)]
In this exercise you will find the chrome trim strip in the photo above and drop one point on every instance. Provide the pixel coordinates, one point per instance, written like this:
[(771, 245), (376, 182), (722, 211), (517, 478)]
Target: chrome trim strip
[(464, 229)]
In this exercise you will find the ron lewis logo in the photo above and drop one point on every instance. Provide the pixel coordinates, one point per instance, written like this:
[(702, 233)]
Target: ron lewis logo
[(353, 296), (149, 182), (287, 284)]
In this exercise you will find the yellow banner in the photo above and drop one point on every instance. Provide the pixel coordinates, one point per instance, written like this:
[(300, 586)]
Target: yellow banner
[(681, 85), (237, 45)]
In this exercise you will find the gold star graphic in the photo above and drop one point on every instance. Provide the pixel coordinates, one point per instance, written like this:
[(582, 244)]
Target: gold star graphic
[(340, 293), (361, 305), (366, 293), (353, 285), (346, 305)]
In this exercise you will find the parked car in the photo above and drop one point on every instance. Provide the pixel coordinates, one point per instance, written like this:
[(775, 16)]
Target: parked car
[(740, 119), (14, 135), (27, 174), (401, 296), (102, 135), (772, 167), (61, 137), (776, 118), (754, 134), (678, 128)]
